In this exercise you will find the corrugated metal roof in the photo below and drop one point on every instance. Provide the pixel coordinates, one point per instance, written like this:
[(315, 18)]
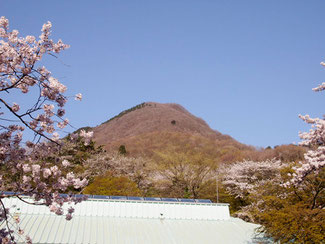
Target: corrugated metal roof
[(133, 209), (55, 229), (134, 222)]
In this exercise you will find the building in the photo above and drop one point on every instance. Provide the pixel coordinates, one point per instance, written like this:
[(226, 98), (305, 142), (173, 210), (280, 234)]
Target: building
[(103, 219)]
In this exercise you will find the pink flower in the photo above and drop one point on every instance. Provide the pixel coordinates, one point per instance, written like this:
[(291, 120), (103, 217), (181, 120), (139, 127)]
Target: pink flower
[(48, 109), (55, 136), (77, 183), (53, 207), (26, 179), (47, 27), (63, 124), (55, 170), (78, 97), (15, 107), (30, 39), (56, 85), (87, 136), (4, 23), (26, 168), (65, 163), (46, 173), (36, 169)]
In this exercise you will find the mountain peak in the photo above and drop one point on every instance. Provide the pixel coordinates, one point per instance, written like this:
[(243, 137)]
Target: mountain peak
[(151, 117)]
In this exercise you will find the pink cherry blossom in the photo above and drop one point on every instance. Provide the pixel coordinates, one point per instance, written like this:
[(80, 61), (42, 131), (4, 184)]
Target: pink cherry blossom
[(31, 172), (46, 172), (314, 139), (86, 136), (15, 107), (65, 163), (78, 97)]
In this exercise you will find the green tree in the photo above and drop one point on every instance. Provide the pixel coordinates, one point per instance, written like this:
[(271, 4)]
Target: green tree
[(122, 150), (112, 186), (295, 213)]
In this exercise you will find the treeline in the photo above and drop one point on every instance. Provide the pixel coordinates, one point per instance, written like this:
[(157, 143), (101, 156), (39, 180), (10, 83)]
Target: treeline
[(139, 106)]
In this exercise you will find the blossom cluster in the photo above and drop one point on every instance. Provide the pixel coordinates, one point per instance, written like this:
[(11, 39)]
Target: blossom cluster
[(86, 136), (19, 57), (315, 157), (243, 178), (315, 140), (33, 168)]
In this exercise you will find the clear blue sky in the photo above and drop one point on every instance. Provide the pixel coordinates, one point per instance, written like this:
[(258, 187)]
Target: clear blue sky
[(245, 67)]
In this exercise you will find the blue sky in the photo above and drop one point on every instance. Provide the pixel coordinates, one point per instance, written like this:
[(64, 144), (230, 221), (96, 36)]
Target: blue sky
[(245, 67)]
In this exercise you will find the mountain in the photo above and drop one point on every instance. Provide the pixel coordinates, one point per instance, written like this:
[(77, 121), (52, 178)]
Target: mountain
[(152, 117), (152, 126)]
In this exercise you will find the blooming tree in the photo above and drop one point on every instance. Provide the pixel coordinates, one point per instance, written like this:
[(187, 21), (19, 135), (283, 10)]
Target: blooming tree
[(244, 181), (243, 178), (137, 169), (26, 167), (315, 140)]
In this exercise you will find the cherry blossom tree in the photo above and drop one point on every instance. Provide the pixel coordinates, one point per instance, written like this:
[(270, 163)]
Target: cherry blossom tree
[(243, 178), (315, 140), (137, 169), (26, 167)]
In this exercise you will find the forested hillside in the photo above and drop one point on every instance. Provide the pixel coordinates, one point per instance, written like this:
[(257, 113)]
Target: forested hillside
[(168, 152)]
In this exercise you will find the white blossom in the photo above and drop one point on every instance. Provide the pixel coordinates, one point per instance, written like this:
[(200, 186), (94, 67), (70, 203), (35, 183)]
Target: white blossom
[(78, 97)]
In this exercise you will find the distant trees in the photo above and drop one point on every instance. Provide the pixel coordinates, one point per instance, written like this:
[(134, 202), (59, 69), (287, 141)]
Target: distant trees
[(168, 174), (112, 186), (139, 106), (183, 174), (136, 169), (241, 179)]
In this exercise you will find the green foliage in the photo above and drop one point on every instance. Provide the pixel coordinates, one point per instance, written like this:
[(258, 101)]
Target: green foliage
[(296, 222), (113, 186), (292, 214), (209, 191), (122, 150)]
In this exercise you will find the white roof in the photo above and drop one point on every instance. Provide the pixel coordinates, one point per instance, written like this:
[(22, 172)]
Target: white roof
[(115, 221)]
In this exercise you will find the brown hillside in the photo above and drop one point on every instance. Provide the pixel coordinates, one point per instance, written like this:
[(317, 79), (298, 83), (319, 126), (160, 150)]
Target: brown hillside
[(151, 127), (227, 150), (153, 117)]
